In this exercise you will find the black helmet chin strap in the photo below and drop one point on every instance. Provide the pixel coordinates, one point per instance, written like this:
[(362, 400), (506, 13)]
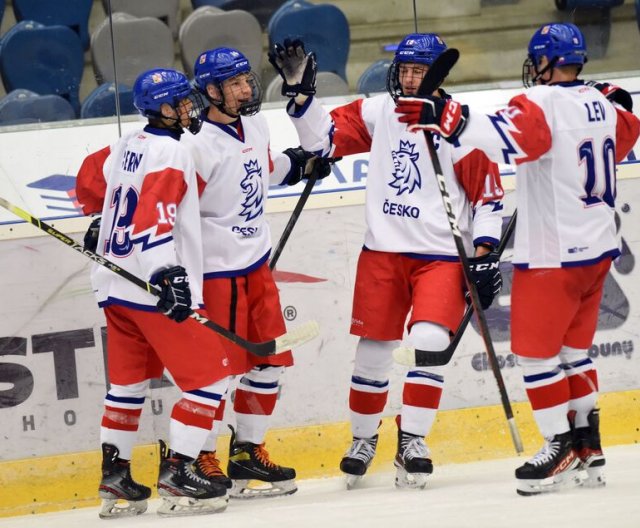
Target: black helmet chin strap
[(538, 76)]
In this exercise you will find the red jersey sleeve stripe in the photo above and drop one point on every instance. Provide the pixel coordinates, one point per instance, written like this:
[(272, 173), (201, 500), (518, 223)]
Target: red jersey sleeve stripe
[(479, 177), (160, 191), (90, 182), (627, 132), (530, 131), (351, 134)]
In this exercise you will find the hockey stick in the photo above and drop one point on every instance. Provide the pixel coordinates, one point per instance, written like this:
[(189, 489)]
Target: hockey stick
[(304, 196), (438, 71), (293, 219), (296, 337), (413, 357)]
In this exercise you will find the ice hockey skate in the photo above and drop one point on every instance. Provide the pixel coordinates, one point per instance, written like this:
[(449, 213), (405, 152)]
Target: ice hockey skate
[(183, 492), (555, 467), (121, 495), (586, 442), (207, 466), (357, 459), (412, 461), (254, 475)]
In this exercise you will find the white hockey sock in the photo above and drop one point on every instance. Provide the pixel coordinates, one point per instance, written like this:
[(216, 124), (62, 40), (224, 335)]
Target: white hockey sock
[(255, 400), (122, 408), (370, 385), (548, 391)]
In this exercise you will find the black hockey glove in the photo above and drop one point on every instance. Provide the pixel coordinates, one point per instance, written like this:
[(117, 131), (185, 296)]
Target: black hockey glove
[(90, 241), (297, 68), (485, 273), (443, 116), (175, 295), (304, 164), (614, 93)]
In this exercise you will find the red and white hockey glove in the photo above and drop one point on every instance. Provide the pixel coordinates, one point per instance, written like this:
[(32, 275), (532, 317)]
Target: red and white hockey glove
[(443, 116), (614, 93)]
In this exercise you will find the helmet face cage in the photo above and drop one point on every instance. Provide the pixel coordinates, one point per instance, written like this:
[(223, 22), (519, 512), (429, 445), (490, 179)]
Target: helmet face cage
[(245, 108), (161, 86), (561, 44), (223, 64), (418, 48)]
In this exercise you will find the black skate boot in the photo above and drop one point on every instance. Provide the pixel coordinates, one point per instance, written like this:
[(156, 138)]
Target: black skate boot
[(183, 492), (117, 484), (412, 461), (554, 467), (250, 462), (358, 458), (586, 442), (207, 466)]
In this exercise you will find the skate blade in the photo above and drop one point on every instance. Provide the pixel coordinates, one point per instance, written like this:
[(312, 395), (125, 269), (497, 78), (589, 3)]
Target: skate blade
[(562, 481), (173, 506), (112, 509), (352, 481), (257, 489), (595, 478), (406, 480)]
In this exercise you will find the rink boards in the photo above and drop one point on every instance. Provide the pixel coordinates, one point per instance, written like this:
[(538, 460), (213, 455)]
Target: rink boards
[(52, 374)]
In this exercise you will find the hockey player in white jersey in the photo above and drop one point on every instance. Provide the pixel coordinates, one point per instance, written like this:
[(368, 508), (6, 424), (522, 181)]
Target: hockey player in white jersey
[(409, 262), (565, 138), (145, 187), (235, 167)]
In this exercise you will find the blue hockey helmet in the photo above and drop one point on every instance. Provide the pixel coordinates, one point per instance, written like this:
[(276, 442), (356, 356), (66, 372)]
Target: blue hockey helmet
[(560, 43), (158, 86), (419, 48), (422, 48), (216, 66)]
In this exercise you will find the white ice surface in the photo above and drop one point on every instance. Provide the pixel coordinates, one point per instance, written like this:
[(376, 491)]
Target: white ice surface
[(476, 495)]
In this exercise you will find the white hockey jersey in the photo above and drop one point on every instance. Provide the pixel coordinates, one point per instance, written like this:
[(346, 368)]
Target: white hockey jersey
[(404, 209), (565, 140), (145, 186), (234, 165)]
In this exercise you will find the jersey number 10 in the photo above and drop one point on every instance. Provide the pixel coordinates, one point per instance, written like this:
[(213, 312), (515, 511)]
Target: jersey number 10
[(597, 190)]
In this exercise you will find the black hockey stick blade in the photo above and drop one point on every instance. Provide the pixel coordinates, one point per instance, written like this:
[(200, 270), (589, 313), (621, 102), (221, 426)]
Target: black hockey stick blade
[(438, 71), (414, 357), (296, 337)]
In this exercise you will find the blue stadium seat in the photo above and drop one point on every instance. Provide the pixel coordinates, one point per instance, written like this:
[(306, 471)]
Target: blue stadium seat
[(24, 106), (102, 101), (1, 10), (323, 28), (374, 78), (43, 59), (261, 10), (71, 13)]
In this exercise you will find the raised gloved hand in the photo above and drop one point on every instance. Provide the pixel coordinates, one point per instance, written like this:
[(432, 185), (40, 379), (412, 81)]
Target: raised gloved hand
[(175, 295), (304, 164), (90, 240), (443, 116), (485, 273), (296, 67), (614, 93)]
